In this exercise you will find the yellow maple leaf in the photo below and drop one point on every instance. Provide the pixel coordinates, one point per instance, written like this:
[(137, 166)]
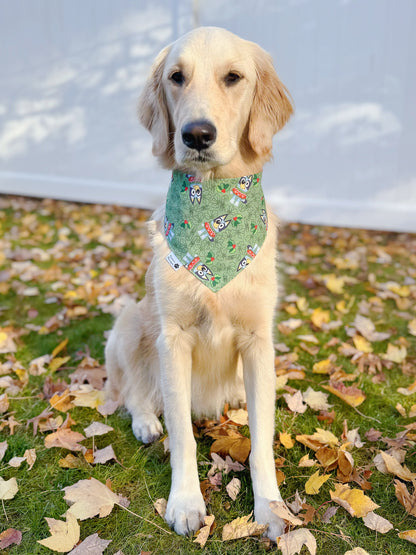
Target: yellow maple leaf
[(325, 437), (412, 327), (62, 402), (242, 527), (322, 367), (302, 304), (334, 283), (315, 482), (361, 344), (401, 290), (353, 500), (286, 440), (64, 535), (87, 396), (320, 317)]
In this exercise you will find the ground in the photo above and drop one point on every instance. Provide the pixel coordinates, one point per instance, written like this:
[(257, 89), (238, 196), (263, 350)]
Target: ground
[(345, 371)]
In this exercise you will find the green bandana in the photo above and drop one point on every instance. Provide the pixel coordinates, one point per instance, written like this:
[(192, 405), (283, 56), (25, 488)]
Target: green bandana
[(214, 228)]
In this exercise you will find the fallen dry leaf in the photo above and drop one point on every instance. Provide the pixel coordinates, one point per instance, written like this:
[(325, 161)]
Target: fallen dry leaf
[(280, 509), (64, 535), (293, 541), (315, 482), (409, 535), (30, 456), (61, 402), (377, 523), (70, 461), (93, 545), (233, 488), (88, 498), (104, 455), (160, 506), (394, 467), (297, 504), (108, 407), (237, 447), (409, 390), (15, 462), (353, 500), (4, 403), (8, 488), (407, 499), (334, 283), (295, 402), (323, 367), (59, 348), (361, 344), (395, 354), (367, 329), (328, 514), (320, 317), (356, 551), (242, 527), (306, 462), (97, 429), (65, 439), (10, 537), (86, 396), (205, 531), (350, 394), (57, 363), (316, 400), (7, 345), (412, 327), (225, 466), (286, 440), (3, 449), (238, 416)]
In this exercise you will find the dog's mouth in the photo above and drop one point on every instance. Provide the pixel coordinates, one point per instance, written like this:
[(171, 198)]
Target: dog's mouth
[(202, 158)]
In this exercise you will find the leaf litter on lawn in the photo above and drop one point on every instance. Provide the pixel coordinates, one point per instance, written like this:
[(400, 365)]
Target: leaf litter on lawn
[(347, 332)]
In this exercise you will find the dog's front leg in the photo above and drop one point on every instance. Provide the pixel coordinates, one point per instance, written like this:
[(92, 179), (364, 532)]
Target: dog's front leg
[(186, 508), (260, 385)]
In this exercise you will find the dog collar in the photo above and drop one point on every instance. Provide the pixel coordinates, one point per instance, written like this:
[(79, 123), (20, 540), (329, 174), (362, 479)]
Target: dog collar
[(214, 228)]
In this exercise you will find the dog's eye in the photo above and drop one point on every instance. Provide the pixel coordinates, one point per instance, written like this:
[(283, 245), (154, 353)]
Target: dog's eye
[(177, 77), (231, 78)]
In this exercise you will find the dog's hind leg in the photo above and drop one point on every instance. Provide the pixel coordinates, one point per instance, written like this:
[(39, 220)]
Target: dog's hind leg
[(133, 370)]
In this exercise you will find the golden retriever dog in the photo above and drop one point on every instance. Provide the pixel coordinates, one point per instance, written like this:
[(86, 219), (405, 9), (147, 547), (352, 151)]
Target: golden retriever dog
[(212, 104)]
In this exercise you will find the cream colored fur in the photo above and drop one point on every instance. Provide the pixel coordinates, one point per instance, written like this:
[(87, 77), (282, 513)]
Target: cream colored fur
[(183, 348)]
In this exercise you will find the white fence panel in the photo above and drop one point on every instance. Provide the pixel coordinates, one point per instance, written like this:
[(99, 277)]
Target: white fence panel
[(71, 72)]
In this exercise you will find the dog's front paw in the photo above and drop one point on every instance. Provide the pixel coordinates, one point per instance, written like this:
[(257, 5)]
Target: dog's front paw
[(264, 515), (185, 512), (146, 427)]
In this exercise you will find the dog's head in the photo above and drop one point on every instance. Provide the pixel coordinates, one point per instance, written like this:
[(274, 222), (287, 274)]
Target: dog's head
[(213, 97)]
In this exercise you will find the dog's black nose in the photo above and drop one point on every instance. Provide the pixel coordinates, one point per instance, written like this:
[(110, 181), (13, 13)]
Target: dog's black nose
[(199, 135)]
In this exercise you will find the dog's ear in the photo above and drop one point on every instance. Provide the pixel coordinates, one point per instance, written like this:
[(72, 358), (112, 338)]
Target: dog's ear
[(152, 108), (272, 106)]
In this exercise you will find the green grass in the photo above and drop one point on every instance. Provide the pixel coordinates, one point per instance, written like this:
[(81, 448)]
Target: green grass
[(91, 253)]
